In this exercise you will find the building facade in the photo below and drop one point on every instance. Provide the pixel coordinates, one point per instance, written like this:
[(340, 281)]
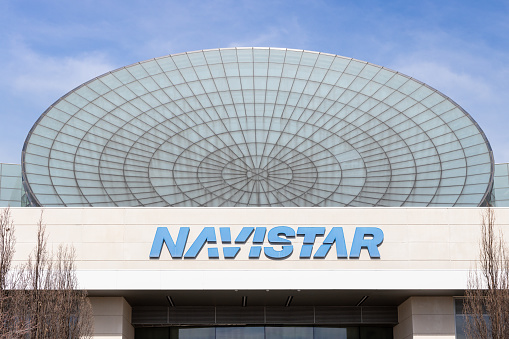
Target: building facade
[(262, 193)]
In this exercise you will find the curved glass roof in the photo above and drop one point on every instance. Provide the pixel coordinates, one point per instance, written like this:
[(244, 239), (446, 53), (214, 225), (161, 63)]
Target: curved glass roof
[(256, 127)]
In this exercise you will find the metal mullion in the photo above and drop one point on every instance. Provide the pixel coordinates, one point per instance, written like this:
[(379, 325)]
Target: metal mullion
[(239, 172), (331, 117), (251, 158), (239, 180), (264, 105), (306, 122), (263, 189), (205, 123), (280, 177), (436, 150), (285, 105), (277, 180), (193, 143), (210, 172), (210, 180), (287, 190), (212, 120), (271, 192), (233, 104), (150, 159), (229, 199), (209, 168), (279, 190), (317, 166), (301, 195), (305, 183), (190, 176), (321, 198), (290, 117), (116, 133), (213, 192), (252, 191), (209, 190), (301, 183), (74, 162), (235, 203), (303, 156), (462, 149), (51, 147), (228, 161), (225, 200), (350, 123)]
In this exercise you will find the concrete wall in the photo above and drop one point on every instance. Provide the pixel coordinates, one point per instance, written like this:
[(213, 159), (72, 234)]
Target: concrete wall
[(426, 318), (112, 318), (423, 248), (429, 249)]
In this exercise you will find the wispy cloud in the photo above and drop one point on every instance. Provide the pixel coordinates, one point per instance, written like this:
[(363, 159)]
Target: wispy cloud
[(49, 76), (30, 82), (289, 34), (458, 47), (474, 80), (452, 82)]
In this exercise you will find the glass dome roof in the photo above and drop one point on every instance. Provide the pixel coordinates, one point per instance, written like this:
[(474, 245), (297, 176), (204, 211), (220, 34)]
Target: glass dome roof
[(256, 127)]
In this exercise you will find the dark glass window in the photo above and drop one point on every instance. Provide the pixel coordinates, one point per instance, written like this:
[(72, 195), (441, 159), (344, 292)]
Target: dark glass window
[(240, 333), (288, 332), (335, 333), (197, 333), (260, 332)]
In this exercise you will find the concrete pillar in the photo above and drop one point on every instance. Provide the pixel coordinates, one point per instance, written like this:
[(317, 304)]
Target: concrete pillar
[(426, 318), (112, 318)]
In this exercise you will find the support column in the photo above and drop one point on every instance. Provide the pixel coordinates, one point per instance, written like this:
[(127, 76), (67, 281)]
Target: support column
[(426, 318), (112, 318)]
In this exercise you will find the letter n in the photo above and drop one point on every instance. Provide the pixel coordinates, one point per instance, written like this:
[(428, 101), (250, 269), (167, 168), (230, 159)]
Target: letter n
[(163, 236)]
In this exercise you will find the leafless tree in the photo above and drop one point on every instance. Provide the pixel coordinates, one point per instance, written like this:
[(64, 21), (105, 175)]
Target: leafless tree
[(11, 325), (43, 296), (7, 242), (486, 305)]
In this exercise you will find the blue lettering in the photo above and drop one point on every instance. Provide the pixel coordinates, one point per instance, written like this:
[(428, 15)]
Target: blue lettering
[(310, 234), (163, 236), (337, 236), (226, 235), (369, 238), (229, 252), (213, 253), (254, 252), (371, 245), (207, 235), (274, 237), (259, 235), (244, 235)]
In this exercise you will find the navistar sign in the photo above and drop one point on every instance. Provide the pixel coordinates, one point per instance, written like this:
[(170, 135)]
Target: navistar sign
[(368, 238)]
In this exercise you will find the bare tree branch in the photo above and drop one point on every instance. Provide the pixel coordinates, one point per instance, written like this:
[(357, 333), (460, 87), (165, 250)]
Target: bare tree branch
[(7, 243), (486, 305), (41, 301)]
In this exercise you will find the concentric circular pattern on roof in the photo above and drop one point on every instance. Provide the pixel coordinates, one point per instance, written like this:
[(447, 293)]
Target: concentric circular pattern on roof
[(256, 127)]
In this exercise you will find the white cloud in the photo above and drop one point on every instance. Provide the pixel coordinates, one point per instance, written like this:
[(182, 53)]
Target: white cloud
[(263, 39), (472, 82), (446, 79), (286, 35), (45, 77), (30, 82)]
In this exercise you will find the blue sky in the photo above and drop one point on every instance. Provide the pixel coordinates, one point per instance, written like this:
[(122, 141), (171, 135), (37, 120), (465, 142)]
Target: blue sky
[(48, 47)]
